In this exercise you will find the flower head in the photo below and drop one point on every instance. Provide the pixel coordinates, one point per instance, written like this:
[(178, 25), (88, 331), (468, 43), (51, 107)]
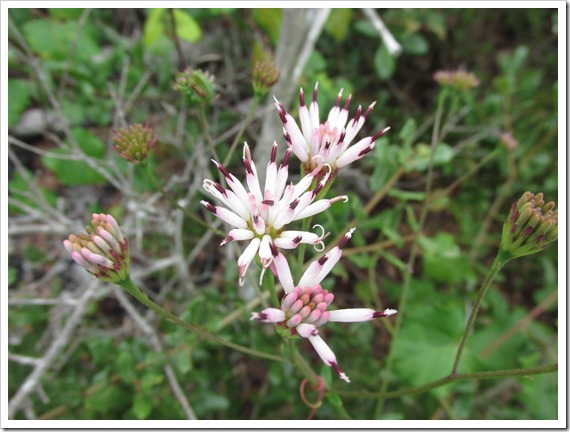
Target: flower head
[(265, 75), (134, 143), (260, 215), (531, 226), (459, 80), (103, 251), (327, 142), (304, 307), (198, 86)]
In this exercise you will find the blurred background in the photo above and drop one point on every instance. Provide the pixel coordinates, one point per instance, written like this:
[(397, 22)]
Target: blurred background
[(82, 349)]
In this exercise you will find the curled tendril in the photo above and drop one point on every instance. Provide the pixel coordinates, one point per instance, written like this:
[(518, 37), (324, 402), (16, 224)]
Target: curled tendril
[(320, 246), (315, 162), (319, 387)]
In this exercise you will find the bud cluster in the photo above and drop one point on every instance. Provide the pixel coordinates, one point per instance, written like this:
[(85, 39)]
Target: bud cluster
[(198, 86), (265, 75), (134, 143), (103, 251), (531, 226), (459, 80)]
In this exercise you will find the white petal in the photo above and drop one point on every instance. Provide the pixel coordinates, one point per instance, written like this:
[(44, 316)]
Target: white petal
[(352, 315), (307, 330), (355, 152), (246, 258), (269, 315), (283, 273), (265, 251)]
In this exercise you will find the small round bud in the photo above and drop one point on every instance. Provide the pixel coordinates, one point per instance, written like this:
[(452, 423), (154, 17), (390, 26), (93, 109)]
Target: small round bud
[(265, 75), (134, 143)]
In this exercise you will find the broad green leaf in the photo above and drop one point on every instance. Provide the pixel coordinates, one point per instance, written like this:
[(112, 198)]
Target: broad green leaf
[(338, 22), (65, 13), (269, 19), (12, 275), (186, 27), (77, 172), (414, 43), (59, 40), (384, 63), (18, 99), (142, 406), (421, 156), (442, 259), (153, 27), (425, 348)]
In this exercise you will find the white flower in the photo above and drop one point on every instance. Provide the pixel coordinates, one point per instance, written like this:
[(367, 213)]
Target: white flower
[(260, 216), (304, 306), (327, 142)]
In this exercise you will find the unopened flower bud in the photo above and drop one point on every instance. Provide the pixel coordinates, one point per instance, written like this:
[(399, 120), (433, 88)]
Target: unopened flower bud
[(103, 251), (459, 80), (265, 75), (530, 227), (198, 86), (134, 143), (508, 141)]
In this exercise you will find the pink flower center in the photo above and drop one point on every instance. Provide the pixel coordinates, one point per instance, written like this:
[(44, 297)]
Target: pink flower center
[(306, 305), (326, 136)]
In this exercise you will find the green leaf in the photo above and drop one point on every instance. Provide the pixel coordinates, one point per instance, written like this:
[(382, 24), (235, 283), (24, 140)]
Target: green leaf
[(153, 27), (442, 259), (269, 20), (425, 348), (186, 27), (384, 63), (18, 99), (421, 156), (126, 366), (338, 23), (57, 40), (142, 406), (414, 44), (65, 13), (76, 172), (12, 275)]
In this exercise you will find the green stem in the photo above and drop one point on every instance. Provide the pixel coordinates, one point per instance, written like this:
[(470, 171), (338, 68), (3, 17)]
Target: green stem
[(269, 283), (206, 131), (133, 290), (414, 249), (508, 373), (246, 122), (500, 260), (174, 202), (300, 363)]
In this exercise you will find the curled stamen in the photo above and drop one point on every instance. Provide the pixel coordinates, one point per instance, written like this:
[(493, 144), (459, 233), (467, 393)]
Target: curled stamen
[(320, 246), (322, 230)]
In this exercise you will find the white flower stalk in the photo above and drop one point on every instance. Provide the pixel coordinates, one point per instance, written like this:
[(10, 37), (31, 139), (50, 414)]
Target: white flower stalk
[(328, 142), (304, 306), (261, 215)]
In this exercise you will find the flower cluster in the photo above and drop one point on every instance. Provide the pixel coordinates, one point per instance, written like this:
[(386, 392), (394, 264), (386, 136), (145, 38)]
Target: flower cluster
[(261, 215), (304, 306), (103, 251), (329, 142), (530, 227)]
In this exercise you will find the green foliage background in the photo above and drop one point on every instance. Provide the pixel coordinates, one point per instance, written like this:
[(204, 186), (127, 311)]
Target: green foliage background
[(113, 374)]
